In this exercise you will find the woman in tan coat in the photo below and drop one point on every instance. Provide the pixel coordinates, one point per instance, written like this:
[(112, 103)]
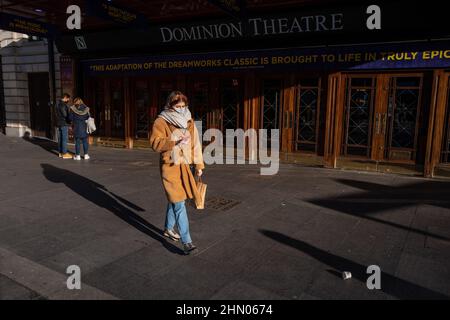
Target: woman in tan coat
[(175, 136)]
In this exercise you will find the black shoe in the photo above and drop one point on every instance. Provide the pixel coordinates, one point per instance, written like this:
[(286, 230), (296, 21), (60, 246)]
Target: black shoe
[(188, 248)]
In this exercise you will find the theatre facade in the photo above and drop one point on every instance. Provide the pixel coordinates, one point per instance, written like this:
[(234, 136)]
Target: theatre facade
[(348, 86)]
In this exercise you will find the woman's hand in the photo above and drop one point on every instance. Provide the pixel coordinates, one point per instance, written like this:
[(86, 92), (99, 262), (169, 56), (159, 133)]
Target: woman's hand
[(184, 139), (199, 173)]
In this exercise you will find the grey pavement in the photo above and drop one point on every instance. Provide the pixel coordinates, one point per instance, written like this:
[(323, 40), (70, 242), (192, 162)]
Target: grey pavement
[(288, 236)]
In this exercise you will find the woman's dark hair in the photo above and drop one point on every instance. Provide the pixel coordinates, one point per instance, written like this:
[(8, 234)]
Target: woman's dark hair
[(66, 95), (174, 98)]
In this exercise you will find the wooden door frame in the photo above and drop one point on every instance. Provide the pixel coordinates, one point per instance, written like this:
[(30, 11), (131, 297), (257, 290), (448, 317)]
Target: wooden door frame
[(336, 98), (418, 112), (373, 102), (287, 115), (436, 125), (333, 121), (298, 89), (380, 116)]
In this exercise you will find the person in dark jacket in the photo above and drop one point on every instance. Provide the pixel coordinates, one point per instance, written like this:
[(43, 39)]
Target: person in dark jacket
[(63, 123), (79, 114)]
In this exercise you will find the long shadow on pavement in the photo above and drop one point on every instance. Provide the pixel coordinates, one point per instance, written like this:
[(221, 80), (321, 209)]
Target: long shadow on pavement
[(47, 145), (102, 197), (375, 198), (389, 284)]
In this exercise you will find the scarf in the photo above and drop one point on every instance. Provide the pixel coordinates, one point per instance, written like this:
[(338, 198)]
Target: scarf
[(80, 110), (179, 120)]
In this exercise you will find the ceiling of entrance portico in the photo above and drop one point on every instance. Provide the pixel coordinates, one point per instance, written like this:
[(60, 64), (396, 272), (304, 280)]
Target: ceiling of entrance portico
[(157, 11)]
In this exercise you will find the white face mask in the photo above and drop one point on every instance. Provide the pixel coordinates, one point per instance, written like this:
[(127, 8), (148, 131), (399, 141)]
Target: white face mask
[(181, 110)]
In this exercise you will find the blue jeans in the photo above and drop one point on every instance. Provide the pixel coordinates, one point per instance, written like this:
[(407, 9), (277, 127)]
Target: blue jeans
[(63, 137), (177, 214), (78, 142)]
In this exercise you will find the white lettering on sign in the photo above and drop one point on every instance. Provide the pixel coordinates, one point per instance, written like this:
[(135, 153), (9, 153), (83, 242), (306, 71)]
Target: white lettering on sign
[(213, 31), (256, 27), (374, 20), (74, 20)]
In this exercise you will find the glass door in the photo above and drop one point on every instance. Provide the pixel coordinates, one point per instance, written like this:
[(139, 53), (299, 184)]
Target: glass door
[(359, 116), (229, 104), (100, 106), (142, 105), (445, 154), (271, 106), (397, 119), (165, 88), (307, 115), (117, 109), (199, 102), (271, 102)]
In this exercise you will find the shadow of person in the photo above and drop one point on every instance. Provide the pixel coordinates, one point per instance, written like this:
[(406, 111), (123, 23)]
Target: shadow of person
[(391, 285), (47, 145), (102, 197), (373, 199)]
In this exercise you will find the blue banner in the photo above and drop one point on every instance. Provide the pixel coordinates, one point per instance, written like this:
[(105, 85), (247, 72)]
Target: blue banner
[(393, 56)]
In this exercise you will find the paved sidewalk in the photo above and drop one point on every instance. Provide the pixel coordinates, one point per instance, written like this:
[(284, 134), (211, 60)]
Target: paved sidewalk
[(287, 236)]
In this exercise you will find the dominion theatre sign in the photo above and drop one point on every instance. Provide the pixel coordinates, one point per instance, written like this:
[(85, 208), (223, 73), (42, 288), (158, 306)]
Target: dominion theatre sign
[(326, 25), (254, 27)]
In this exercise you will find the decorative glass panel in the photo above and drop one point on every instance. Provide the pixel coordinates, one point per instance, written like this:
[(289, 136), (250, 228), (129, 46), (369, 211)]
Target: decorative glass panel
[(165, 89), (307, 112), (359, 110), (100, 106), (142, 104), (230, 105), (271, 104), (404, 120), (199, 103), (358, 117), (117, 109)]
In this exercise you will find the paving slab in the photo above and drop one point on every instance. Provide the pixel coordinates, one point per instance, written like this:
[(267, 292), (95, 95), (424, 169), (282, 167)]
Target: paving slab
[(287, 236)]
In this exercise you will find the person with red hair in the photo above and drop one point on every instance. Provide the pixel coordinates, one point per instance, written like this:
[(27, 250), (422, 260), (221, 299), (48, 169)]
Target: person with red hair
[(176, 138)]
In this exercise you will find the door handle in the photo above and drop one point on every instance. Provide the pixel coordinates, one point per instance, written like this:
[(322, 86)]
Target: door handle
[(377, 123), (384, 120)]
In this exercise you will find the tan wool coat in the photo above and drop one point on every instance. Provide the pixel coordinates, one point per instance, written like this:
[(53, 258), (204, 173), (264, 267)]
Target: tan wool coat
[(179, 184)]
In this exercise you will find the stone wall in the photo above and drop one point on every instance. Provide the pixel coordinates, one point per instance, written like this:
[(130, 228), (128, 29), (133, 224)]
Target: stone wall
[(21, 56)]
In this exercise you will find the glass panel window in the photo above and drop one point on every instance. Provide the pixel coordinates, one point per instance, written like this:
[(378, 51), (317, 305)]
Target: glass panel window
[(403, 117), (199, 102), (230, 104), (142, 107), (100, 107), (271, 104), (307, 116), (117, 109), (358, 117)]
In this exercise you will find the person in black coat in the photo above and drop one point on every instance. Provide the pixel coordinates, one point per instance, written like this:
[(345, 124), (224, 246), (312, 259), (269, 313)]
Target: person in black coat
[(79, 114), (63, 123)]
